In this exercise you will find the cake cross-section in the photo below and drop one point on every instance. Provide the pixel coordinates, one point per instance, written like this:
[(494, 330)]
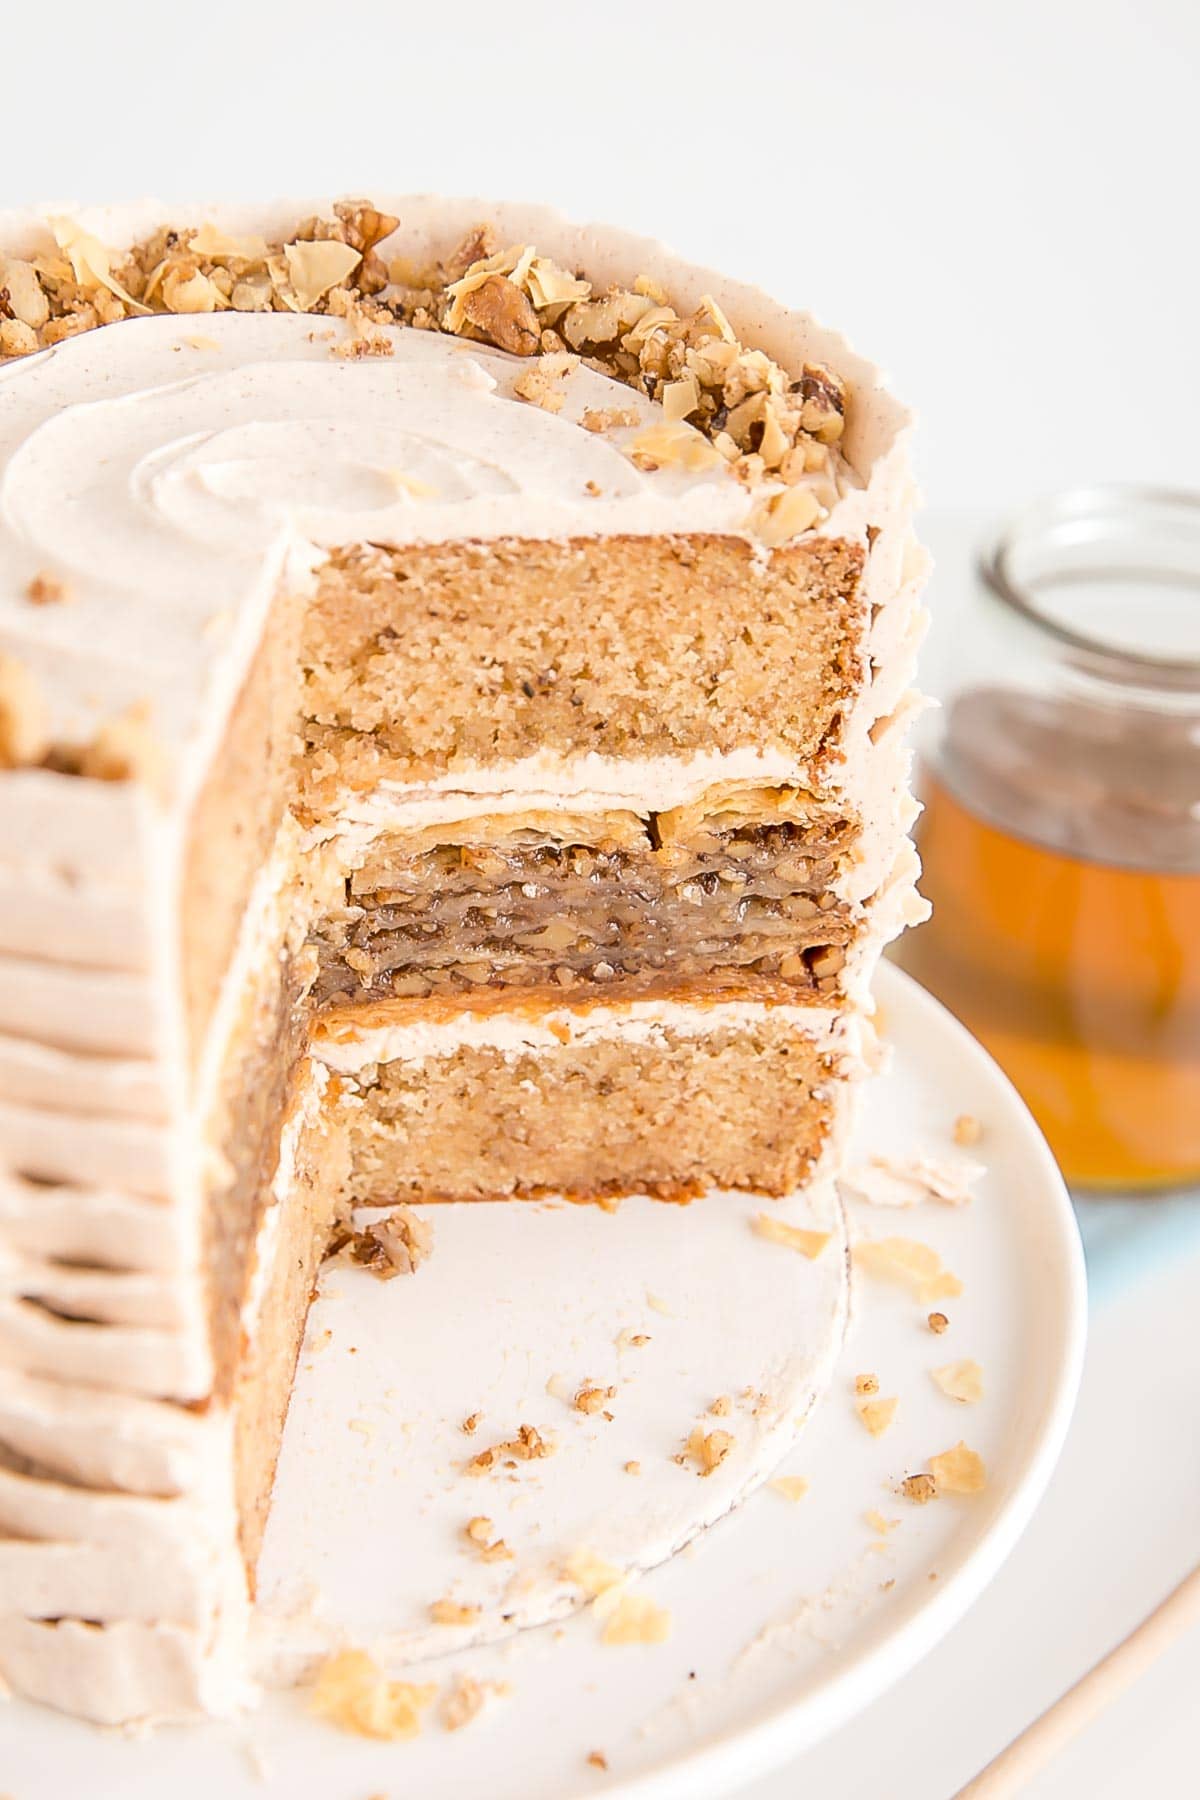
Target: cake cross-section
[(454, 682)]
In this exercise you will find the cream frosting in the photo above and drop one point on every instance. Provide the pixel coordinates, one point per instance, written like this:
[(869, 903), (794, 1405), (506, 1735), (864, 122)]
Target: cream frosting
[(172, 472), (516, 1034)]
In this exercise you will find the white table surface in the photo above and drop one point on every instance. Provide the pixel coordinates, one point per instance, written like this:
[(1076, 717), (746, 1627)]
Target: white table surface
[(996, 200)]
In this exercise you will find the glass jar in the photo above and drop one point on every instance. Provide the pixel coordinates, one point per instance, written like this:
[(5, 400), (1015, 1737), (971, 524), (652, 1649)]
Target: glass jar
[(1061, 832)]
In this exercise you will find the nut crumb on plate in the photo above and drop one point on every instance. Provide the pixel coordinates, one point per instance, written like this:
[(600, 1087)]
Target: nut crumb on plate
[(877, 1415), (592, 1399), (352, 1691), (958, 1471), (909, 1263), (528, 1445), (795, 1237), (707, 1449), (452, 1612), (960, 1380), (790, 1487)]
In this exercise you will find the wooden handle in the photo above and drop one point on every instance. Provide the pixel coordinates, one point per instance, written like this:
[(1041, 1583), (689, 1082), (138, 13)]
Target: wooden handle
[(1008, 1773)]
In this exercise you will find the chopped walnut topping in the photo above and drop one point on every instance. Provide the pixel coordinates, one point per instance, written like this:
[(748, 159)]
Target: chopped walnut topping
[(739, 405), (542, 384), (919, 1489), (352, 1691), (452, 1612), (795, 1237), (958, 1471), (876, 1415), (592, 1399), (967, 1130), (497, 312), (527, 1446), (707, 1449), (792, 1487), (937, 1322), (395, 1245), (960, 1380)]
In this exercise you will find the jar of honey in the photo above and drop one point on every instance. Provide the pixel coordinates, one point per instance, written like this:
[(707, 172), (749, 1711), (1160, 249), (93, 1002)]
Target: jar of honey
[(1061, 831)]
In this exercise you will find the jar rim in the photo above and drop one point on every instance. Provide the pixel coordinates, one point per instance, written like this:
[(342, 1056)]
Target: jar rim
[(1122, 529)]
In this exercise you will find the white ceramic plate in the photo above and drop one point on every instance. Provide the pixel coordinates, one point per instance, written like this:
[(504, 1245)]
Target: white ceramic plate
[(787, 1617)]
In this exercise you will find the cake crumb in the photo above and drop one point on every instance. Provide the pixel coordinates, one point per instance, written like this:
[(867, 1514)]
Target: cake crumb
[(877, 1415), (909, 1181), (597, 1760), (631, 1340), (452, 1612), (491, 1549), (528, 1445), (471, 1423), (591, 1573), (937, 1323), (467, 1698), (866, 1384), (592, 1399), (958, 1471), (967, 1130), (47, 590), (352, 1691), (633, 1468), (795, 1237), (657, 1304), (791, 1487), (631, 1618), (721, 1407), (919, 1488), (909, 1263), (707, 1449), (878, 1523), (960, 1380)]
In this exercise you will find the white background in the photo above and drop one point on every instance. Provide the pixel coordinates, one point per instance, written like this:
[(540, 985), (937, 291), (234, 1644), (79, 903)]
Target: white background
[(996, 201)]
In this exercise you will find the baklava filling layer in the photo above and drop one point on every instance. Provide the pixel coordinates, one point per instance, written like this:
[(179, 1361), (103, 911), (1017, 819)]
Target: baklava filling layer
[(636, 910)]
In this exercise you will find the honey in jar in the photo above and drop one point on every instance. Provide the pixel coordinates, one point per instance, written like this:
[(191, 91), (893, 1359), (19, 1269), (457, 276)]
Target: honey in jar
[(1061, 850)]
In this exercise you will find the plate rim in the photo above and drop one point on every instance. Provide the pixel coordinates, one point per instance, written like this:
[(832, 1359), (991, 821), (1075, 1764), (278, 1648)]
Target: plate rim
[(785, 1729)]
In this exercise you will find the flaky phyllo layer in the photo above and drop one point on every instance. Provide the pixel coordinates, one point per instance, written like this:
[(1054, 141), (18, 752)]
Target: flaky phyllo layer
[(452, 711)]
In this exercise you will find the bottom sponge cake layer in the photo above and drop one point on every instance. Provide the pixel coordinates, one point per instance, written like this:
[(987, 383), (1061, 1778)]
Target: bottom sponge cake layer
[(592, 1104)]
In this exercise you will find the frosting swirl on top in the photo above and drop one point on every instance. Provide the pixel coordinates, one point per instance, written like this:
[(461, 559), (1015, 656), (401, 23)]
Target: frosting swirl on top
[(169, 478)]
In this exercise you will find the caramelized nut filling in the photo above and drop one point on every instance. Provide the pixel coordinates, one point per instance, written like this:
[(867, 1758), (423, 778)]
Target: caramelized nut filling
[(752, 902)]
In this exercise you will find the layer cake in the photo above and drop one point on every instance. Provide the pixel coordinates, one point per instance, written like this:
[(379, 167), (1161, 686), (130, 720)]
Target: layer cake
[(454, 676)]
